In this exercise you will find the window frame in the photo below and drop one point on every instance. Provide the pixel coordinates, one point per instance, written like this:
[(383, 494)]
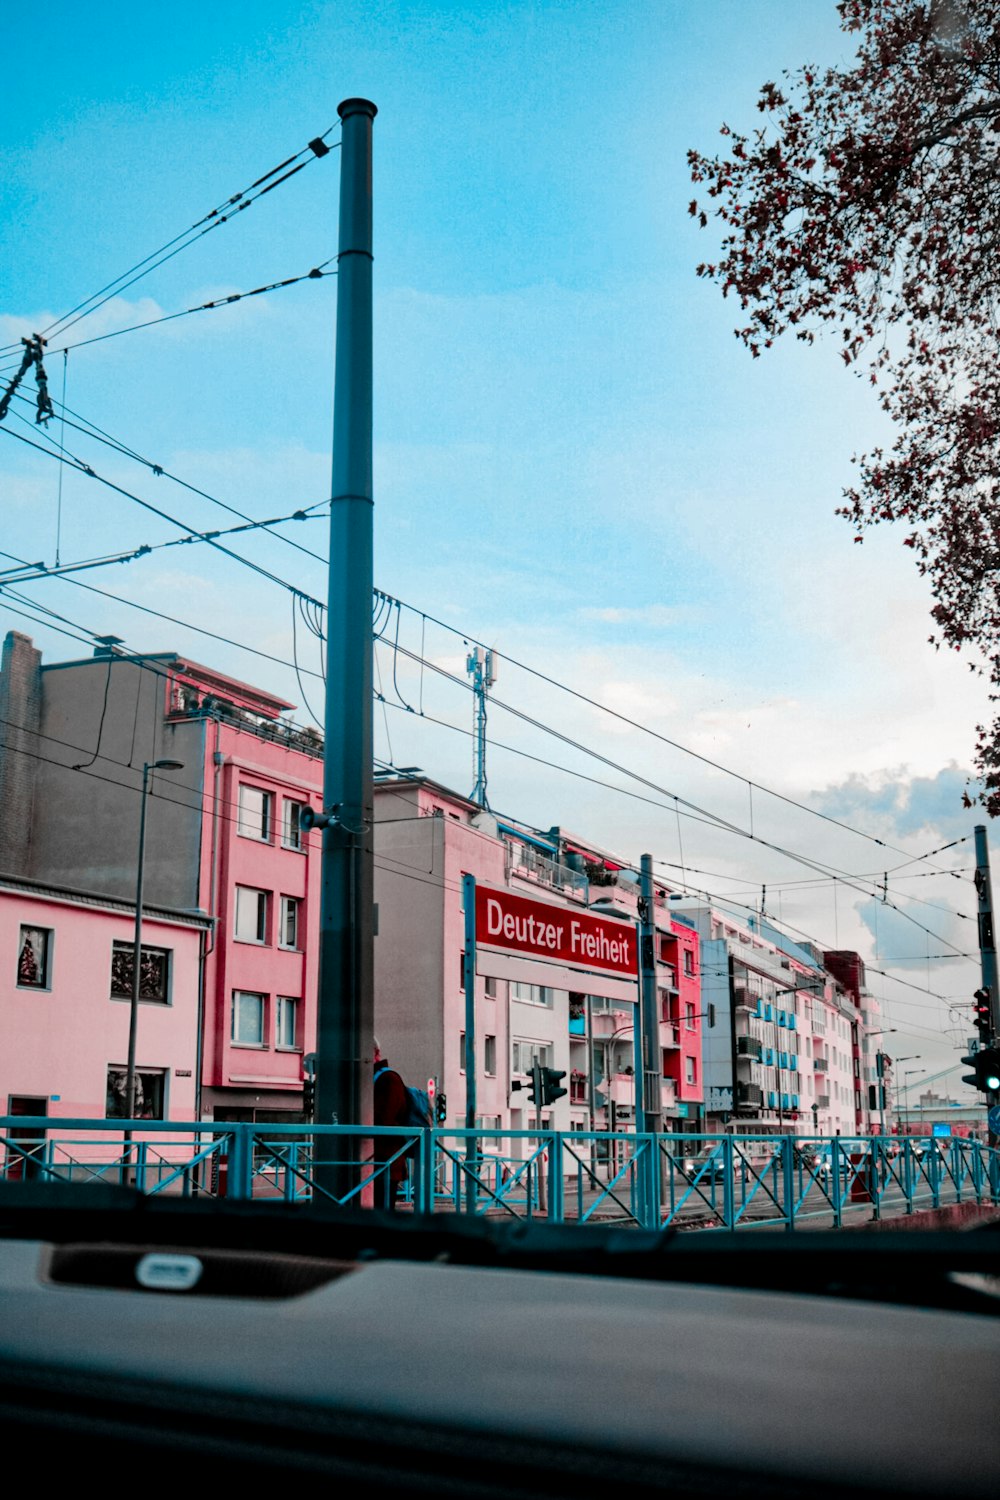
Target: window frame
[(263, 914), (289, 905), (297, 842), (127, 950), (280, 1007), (45, 983), (237, 1041), (267, 813), (542, 1052), (162, 1075)]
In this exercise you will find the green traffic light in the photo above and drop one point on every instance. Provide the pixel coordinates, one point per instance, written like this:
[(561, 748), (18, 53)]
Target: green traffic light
[(992, 1081)]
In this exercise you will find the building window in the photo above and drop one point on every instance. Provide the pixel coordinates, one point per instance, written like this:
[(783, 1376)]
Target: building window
[(291, 824), (149, 1094), (289, 934), (491, 987), (34, 950), (688, 963), (248, 1019), (154, 973), (689, 1016), (689, 1070), (532, 994), (251, 915), (489, 1054), (527, 1054), (254, 814), (461, 1051), (288, 1023)]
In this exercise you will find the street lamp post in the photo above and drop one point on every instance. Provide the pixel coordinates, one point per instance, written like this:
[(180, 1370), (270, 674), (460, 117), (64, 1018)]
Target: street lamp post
[(133, 1019), (909, 1073), (913, 1057)]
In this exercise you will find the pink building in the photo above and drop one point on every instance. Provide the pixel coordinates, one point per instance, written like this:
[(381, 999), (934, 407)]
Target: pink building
[(65, 988), (427, 838), (223, 838), (224, 842)]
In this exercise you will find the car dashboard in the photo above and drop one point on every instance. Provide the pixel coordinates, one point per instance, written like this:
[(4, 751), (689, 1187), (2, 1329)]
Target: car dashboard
[(492, 1362)]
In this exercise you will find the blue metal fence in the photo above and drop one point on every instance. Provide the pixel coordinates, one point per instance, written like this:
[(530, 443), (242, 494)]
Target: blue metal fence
[(709, 1181)]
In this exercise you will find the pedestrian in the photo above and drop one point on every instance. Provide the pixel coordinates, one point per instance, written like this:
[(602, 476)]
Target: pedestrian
[(391, 1106)]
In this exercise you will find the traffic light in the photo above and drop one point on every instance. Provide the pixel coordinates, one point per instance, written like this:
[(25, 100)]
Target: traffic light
[(536, 1087), (981, 1014), (550, 1085), (440, 1108), (985, 1065), (988, 1070), (309, 1098)]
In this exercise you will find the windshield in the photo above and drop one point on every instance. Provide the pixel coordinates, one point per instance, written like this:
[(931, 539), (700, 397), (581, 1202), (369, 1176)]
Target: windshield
[(471, 774)]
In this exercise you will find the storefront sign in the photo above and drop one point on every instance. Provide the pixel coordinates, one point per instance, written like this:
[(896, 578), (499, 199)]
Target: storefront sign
[(518, 924)]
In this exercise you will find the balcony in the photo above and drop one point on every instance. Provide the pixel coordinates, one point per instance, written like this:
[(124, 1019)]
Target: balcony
[(578, 1088), (530, 864), (822, 1101), (620, 1088), (749, 1094), (668, 1034), (821, 1064), (742, 998), (606, 1022), (748, 1046)]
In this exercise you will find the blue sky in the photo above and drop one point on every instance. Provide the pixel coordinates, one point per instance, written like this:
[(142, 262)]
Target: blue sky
[(575, 460)]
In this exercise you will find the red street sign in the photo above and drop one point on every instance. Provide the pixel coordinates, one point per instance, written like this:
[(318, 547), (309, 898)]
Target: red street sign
[(517, 924), (430, 1089)]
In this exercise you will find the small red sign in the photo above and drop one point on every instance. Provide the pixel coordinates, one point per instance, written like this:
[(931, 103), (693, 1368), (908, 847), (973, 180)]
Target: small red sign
[(517, 924), (431, 1089)]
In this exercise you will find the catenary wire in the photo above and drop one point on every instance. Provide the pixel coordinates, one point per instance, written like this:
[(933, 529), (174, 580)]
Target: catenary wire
[(214, 219)]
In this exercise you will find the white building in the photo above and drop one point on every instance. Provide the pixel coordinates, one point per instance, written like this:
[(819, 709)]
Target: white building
[(783, 1031)]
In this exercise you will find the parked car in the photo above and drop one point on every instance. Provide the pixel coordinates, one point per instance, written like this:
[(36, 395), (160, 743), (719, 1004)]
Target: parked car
[(710, 1161)]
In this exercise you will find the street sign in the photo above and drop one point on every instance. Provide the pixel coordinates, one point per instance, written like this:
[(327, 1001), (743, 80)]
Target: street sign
[(431, 1089), (521, 925), (309, 1065), (973, 1044), (993, 1119)]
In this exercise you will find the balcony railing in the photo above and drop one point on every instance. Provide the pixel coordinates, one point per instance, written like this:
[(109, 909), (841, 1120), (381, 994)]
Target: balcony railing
[(531, 864), (821, 1064), (621, 1088), (606, 1022), (823, 1101), (748, 1046), (749, 1093)]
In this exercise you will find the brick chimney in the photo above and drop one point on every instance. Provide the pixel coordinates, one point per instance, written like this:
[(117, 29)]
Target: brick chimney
[(20, 721)]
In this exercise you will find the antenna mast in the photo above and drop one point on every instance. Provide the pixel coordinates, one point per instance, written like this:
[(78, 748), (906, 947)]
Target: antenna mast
[(481, 667)]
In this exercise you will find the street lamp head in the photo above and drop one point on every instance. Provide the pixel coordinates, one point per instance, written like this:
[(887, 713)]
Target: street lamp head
[(167, 765)]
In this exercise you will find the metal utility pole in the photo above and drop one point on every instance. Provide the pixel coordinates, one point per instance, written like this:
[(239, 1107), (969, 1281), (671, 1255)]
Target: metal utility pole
[(652, 1056), (481, 667), (987, 952), (345, 1020)]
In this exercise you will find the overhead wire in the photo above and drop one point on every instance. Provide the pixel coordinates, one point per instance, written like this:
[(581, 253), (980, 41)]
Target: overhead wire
[(315, 274), (712, 819), (722, 823), (390, 603), (97, 434), (214, 219)]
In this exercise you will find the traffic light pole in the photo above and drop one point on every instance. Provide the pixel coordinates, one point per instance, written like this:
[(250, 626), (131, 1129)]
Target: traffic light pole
[(987, 952), (469, 981)]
